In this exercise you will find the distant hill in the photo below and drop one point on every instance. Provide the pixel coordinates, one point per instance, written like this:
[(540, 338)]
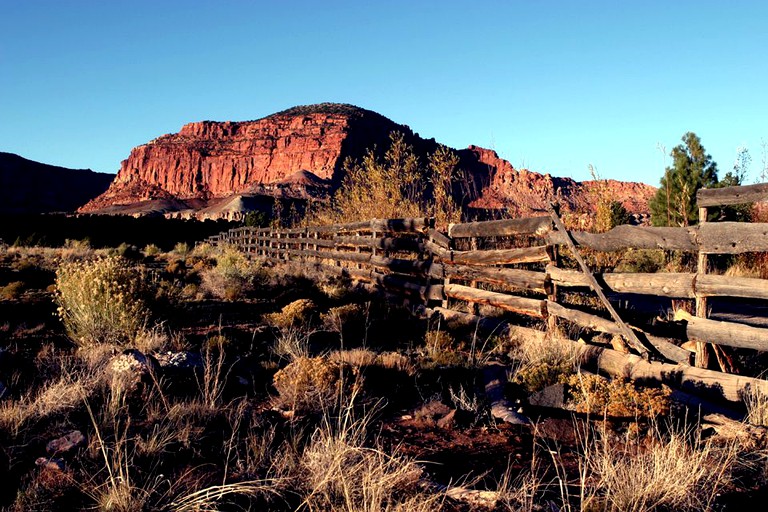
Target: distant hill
[(27, 186), (224, 169)]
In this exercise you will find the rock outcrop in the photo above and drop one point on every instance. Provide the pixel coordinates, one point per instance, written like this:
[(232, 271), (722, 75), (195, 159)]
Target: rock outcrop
[(28, 187), (297, 152), (221, 169), (525, 192)]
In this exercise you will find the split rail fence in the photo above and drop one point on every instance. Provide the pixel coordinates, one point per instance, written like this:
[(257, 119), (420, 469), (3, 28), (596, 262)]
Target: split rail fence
[(517, 266)]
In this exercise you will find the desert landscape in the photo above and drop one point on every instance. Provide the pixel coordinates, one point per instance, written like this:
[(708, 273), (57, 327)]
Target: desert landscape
[(402, 257), (324, 354)]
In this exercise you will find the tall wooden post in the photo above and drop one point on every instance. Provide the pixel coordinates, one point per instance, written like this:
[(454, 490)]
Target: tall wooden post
[(702, 349), (551, 288)]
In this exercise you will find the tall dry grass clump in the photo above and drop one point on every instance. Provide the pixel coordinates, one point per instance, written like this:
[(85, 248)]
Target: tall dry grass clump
[(668, 472), (101, 301), (340, 471)]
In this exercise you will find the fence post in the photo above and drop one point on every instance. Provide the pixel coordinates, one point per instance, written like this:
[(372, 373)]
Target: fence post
[(551, 288), (702, 349)]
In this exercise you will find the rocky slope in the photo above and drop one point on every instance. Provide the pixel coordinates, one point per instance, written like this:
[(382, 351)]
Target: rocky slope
[(210, 169), (525, 192), (27, 186)]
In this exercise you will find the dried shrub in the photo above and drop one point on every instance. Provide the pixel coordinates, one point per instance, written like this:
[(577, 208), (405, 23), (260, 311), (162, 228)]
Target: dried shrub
[(101, 301), (295, 314), (314, 384), (12, 291), (589, 393)]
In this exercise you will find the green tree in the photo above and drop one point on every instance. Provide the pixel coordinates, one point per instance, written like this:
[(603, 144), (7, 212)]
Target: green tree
[(692, 168)]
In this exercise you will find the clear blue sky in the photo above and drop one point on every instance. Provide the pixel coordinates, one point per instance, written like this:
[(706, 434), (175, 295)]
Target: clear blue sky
[(551, 85)]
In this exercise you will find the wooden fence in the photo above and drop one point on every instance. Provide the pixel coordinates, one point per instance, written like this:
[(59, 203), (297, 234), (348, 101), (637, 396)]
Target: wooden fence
[(517, 266)]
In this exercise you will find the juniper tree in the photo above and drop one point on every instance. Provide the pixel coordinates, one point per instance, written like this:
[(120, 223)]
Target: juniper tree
[(692, 168)]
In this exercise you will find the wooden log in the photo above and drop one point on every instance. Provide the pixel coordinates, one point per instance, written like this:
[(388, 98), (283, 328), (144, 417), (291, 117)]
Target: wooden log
[(517, 278), (724, 333), (438, 238), (501, 256), (435, 250), (733, 237), (381, 243), (534, 225), (725, 286), (697, 381), (586, 320), (597, 323), (673, 285), (747, 437), (487, 326), (727, 196), (633, 237), (522, 305)]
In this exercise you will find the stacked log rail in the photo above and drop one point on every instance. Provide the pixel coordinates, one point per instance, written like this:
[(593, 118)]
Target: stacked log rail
[(408, 255)]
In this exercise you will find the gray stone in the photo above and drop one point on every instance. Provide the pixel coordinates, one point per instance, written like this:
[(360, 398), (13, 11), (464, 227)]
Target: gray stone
[(551, 396), (66, 443)]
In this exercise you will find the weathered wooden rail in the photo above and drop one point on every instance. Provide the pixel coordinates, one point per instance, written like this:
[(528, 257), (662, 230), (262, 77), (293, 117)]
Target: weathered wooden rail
[(516, 266)]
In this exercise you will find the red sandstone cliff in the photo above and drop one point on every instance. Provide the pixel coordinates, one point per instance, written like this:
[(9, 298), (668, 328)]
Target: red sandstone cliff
[(299, 153), (525, 192)]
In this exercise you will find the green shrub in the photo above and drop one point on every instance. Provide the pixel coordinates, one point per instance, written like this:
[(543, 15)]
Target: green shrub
[(181, 249), (232, 276), (151, 250), (594, 394), (101, 301)]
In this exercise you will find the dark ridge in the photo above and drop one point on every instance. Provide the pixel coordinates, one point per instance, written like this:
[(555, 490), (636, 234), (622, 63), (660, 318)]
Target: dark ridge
[(27, 186)]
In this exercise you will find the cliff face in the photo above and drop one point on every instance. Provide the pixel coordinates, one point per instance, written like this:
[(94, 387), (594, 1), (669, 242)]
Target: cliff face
[(525, 192), (208, 160), (27, 186), (299, 153)]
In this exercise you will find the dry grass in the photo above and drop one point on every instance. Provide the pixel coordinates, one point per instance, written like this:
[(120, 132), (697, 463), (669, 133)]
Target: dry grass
[(666, 472), (291, 344), (341, 473), (756, 402)]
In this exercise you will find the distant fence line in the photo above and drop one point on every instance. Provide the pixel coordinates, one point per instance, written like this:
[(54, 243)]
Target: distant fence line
[(515, 265)]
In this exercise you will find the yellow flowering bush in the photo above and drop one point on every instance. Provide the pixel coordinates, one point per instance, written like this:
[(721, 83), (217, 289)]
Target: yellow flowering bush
[(101, 301)]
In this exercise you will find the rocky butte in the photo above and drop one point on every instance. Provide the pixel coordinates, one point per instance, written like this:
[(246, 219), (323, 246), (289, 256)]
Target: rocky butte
[(224, 169)]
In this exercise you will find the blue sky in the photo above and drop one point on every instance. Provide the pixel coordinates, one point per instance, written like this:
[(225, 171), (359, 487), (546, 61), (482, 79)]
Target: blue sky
[(553, 86)]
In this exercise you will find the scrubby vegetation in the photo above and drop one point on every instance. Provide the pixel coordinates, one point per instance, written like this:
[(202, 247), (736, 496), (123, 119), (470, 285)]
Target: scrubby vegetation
[(197, 379)]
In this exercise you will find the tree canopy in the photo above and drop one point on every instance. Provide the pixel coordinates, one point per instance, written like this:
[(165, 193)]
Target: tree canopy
[(692, 168)]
